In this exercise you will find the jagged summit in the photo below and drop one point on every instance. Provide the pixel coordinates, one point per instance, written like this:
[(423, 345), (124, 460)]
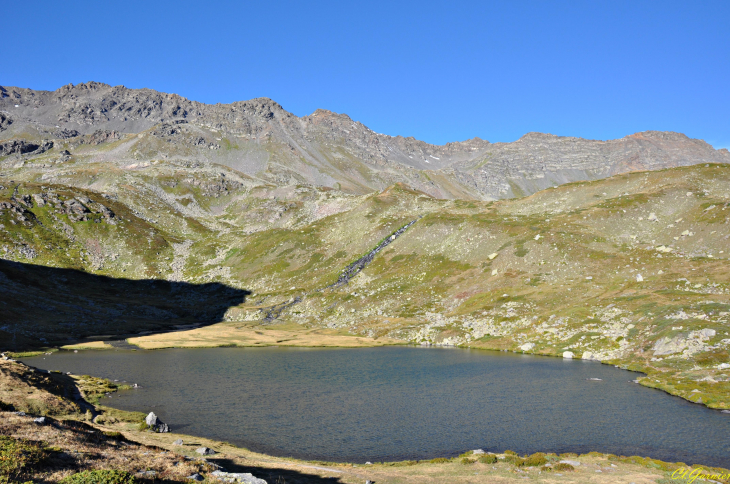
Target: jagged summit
[(261, 139)]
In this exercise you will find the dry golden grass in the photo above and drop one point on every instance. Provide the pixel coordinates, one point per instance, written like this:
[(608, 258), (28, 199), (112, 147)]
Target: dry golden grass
[(34, 392), (91, 345), (239, 334), (74, 446)]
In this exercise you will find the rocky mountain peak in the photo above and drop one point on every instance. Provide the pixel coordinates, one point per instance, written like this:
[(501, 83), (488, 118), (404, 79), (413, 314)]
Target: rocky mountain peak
[(329, 149)]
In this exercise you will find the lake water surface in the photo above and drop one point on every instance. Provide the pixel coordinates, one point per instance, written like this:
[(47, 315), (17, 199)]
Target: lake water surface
[(398, 403)]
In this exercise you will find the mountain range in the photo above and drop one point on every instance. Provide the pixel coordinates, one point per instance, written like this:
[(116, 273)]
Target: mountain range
[(262, 140)]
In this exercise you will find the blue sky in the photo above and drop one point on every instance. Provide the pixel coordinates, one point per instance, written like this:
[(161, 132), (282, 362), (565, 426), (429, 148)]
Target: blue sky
[(438, 71)]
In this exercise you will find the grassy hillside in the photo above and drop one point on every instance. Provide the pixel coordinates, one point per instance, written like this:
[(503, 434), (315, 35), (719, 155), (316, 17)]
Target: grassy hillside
[(630, 270)]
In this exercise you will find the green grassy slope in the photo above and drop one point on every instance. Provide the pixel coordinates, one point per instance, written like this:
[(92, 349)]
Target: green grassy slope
[(630, 270)]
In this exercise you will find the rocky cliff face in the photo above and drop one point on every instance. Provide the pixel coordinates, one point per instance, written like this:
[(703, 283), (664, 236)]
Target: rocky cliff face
[(261, 139)]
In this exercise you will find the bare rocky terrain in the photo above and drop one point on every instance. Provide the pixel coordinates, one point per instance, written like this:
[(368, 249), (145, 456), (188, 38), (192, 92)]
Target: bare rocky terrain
[(262, 140)]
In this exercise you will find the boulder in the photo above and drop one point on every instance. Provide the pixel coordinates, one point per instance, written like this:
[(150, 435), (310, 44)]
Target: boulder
[(156, 424), (151, 419), (196, 477), (178, 442), (40, 420), (205, 451), (669, 346), (527, 346), (243, 477), (568, 355), (574, 463)]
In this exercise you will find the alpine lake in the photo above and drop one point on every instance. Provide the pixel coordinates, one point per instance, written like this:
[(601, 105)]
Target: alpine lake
[(403, 403)]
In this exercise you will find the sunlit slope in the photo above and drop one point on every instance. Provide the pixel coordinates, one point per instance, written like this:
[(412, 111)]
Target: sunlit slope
[(631, 269)]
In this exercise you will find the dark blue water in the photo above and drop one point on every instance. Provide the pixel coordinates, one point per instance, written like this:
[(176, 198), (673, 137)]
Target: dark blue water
[(398, 403)]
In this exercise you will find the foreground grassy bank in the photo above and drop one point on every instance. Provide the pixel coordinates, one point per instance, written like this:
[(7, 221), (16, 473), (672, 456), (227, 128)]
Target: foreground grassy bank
[(79, 434)]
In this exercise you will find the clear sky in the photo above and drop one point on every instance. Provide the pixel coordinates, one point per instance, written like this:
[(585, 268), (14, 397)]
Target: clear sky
[(439, 71)]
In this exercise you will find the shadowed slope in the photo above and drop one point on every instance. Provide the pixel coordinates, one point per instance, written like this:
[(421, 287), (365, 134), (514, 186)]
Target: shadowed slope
[(44, 305)]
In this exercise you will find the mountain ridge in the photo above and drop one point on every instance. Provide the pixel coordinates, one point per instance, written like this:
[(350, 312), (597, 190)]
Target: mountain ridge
[(331, 149)]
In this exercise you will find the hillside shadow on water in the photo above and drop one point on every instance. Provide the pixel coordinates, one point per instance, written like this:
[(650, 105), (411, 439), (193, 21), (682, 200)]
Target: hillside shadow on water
[(46, 306)]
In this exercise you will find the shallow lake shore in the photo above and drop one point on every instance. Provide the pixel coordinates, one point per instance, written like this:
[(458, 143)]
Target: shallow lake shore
[(120, 443)]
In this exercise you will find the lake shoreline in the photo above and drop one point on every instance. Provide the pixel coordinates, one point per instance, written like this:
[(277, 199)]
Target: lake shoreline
[(175, 356), (465, 468)]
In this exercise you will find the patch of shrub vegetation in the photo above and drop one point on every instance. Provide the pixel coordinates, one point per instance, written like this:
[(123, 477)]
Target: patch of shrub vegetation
[(18, 457), (439, 460), (535, 460), (466, 461), (488, 459), (562, 466), (100, 477)]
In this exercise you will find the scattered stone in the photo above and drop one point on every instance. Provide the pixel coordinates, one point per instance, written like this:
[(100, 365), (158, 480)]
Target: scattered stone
[(40, 420), (723, 366), (652, 217), (492, 256), (244, 477), (574, 463), (639, 278), (527, 346), (196, 477), (178, 442), (568, 355), (587, 355), (205, 451)]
